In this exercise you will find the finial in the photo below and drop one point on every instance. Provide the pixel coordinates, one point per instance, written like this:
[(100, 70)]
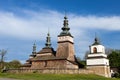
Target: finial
[(65, 15), (48, 32), (34, 43), (96, 39), (34, 47), (65, 28), (97, 42)]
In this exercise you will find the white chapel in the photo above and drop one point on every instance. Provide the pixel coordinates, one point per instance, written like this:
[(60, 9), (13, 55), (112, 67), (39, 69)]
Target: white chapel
[(97, 59)]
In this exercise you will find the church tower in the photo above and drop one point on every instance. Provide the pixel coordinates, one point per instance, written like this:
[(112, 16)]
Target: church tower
[(97, 59), (65, 43), (33, 52)]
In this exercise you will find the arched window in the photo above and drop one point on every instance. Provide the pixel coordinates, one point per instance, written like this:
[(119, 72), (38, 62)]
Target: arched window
[(94, 50)]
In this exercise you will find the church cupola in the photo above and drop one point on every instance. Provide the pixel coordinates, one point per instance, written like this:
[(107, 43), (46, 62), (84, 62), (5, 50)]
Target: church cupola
[(48, 42), (97, 42), (34, 49), (96, 47), (33, 52), (65, 35), (65, 28)]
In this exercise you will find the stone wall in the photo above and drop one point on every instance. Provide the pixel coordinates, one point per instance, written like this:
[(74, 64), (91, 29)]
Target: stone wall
[(100, 70), (52, 71)]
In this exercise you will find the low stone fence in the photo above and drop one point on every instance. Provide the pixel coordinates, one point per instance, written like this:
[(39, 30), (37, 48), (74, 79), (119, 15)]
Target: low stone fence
[(52, 71)]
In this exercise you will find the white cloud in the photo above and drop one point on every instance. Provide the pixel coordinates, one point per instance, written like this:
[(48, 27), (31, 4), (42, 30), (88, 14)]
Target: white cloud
[(96, 22), (34, 26)]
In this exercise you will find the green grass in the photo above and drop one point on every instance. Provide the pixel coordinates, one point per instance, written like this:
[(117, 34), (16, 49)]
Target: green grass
[(36, 76)]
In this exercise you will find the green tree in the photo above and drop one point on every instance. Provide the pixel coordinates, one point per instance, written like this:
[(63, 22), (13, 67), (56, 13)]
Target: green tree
[(2, 57), (13, 64), (81, 63), (114, 58)]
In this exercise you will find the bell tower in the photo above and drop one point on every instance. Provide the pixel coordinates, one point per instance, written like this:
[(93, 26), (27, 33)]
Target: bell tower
[(97, 59), (65, 43)]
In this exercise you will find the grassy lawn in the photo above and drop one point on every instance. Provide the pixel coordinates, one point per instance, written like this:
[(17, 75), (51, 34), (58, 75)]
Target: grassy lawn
[(36, 76)]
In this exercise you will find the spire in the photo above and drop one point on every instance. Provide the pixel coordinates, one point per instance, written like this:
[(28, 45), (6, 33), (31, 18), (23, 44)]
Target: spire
[(97, 42), (34, 48), (48, 42), (65, 28)]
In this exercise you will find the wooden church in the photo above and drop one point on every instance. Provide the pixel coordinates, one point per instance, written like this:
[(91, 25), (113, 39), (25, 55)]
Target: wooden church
[(48, 58)]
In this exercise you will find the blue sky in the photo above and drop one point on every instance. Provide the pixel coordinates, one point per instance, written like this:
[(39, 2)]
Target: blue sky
[(22, 22)]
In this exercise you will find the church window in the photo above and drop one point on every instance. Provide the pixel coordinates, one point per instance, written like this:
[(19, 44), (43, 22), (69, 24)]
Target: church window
[(45, 64), (94, 50)]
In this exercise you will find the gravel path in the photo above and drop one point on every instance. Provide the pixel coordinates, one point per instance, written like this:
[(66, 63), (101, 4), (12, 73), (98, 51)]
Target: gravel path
[(8, 79)]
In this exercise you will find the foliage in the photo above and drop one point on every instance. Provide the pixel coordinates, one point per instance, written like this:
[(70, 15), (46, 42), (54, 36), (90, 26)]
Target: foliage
[(13, 64), (114, 58), (36, 76), (117, 75), (80, 62)]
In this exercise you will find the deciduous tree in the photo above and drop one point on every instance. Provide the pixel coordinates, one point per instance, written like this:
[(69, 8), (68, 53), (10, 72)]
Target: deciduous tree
[(2, 57)]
